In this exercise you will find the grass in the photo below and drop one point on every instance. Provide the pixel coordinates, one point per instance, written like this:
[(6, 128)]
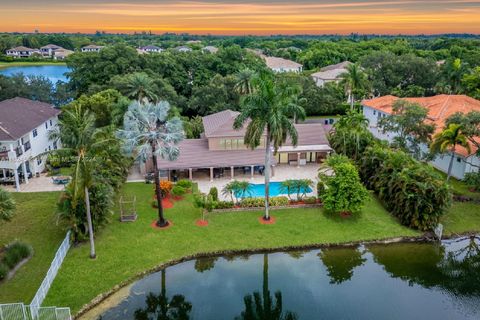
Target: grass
[(34, 223), (126, 249), (462, 217), (4, 65)]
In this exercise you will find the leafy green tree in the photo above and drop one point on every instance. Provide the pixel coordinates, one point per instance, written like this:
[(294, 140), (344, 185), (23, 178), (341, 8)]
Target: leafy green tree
[(447, 141), (353, 80), (453, 70), (7, 205), (147, 134), (266, 110), (193, 127), (471, 83), (344, 193), (243, 82), (408, 123)]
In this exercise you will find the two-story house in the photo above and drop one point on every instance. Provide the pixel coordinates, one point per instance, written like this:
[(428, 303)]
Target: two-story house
[(49, 50), (22, 52), (151, 49), (92, 48), (24, 127), (222, 148), (439, 109)]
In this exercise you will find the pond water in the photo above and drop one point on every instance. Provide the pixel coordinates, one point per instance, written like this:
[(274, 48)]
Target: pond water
[(396, 281), (53, 72), (258, 190)]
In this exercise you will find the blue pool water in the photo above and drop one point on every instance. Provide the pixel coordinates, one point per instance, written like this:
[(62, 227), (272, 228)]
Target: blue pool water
[(258, 190), (54, 72)]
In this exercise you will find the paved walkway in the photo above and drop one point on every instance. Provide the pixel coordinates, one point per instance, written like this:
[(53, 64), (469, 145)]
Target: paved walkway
[(40, 184)]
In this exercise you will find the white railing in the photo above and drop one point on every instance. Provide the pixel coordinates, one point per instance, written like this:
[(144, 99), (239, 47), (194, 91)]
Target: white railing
[(19, 311), (47, 281)]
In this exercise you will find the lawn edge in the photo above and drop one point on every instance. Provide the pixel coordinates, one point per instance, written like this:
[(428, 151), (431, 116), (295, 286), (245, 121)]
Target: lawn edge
[(407, 239)]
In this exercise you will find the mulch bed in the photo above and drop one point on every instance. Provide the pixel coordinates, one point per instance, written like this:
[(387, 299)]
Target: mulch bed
[(201, 223), (263, 221), (154, 225)]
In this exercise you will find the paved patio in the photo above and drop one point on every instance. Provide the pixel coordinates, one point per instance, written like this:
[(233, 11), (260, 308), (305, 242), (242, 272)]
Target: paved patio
[(282, 173), (37, 184)]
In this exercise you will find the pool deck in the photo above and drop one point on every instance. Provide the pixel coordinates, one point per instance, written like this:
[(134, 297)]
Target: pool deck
[(282, 173)]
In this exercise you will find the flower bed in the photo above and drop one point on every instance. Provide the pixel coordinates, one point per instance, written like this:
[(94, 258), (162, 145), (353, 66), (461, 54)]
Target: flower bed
[(288, 206)]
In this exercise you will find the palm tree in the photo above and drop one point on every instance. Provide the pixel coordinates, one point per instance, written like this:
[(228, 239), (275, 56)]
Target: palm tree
[(80, 138), (266, 111), (353, 79), (148, 133), (349, 132), (243, 81), (7, 205), (140, 86), (447, 140)]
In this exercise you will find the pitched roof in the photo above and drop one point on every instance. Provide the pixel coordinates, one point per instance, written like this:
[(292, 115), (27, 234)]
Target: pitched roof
[(439, 107), (211, 49), (332, 72), (277, 63), (150, 47), (220, 124), (62, 52), (93, 46), (194, 153), (22, 48), (51, 46), (19, 116)]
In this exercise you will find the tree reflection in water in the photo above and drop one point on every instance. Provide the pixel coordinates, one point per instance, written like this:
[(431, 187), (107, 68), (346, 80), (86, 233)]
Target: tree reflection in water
[(340, 262), (160, 307), (264, 307)]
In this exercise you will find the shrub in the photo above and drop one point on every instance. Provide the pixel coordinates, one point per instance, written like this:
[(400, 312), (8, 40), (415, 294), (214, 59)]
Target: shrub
[(278, 201), (472, 179), (7, 205), (184, 183), (320, 189), (15, 253), (213, 193), (178, 190), (3, 271), (344, 192), (310, 200), (409, 189), (224, 205), (201, 200), (165, 187), (252, 202)]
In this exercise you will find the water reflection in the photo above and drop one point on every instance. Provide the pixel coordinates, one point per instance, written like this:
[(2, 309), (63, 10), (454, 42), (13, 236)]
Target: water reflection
[(340, 262), (397, 281)]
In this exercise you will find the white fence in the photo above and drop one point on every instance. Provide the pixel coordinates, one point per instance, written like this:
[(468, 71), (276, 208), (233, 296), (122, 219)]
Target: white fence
[(19, 311), (47, 281)]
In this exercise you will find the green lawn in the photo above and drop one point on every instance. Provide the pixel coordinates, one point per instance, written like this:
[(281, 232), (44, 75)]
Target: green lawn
[(33, 223), (127, 249), (29, 63)]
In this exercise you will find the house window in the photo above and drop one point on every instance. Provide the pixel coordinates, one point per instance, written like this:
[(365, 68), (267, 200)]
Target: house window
[(46, 125), (35, 133), (55, 145), (51, 123), (459, 159), (374, 112), (39, 161)]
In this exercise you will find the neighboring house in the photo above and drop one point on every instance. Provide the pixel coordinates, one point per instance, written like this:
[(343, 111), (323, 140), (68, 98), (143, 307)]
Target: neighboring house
[(61, 54), (257, 52), (210, 49), (92, 48), (49, 50), (221, 147), (24, 127), (183, 49), (439, 109), (330, 73), (282, 65), (150, 49), (22, 52), (194, 41)]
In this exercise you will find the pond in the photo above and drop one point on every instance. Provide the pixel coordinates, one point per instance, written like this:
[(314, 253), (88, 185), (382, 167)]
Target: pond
[(53, 72), (395, 281)]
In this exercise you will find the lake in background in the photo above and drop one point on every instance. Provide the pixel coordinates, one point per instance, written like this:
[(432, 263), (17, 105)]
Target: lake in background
[(53, 72), (396, 281)]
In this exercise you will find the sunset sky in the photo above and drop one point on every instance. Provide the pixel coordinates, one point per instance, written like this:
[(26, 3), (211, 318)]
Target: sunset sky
[(242, 17)]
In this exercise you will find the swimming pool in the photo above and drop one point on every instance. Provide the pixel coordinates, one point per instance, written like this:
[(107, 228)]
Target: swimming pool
[(258, 190)]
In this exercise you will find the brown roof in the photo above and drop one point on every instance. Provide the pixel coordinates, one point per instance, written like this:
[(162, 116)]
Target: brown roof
[(220, 124), (341, 65), (309, 134), (275, 63), (22, 48), (18, 116), (51, 46), (194, 153), (439, 107)]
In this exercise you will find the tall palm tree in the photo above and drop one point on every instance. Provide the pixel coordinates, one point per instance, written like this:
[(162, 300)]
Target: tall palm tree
[(350, 130), (353, 79), (266, 111), (140, 86), (81, 139), (7, 205), (148, 133), (243, 81), (448, 140)]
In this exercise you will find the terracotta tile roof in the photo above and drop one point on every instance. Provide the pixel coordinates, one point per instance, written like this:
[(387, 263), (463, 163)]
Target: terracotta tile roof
[(18, 116), (278, 63), (439, 107), (194, 153)]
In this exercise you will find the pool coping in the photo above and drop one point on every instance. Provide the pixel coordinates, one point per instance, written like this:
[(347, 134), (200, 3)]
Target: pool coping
[(426, 237)]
